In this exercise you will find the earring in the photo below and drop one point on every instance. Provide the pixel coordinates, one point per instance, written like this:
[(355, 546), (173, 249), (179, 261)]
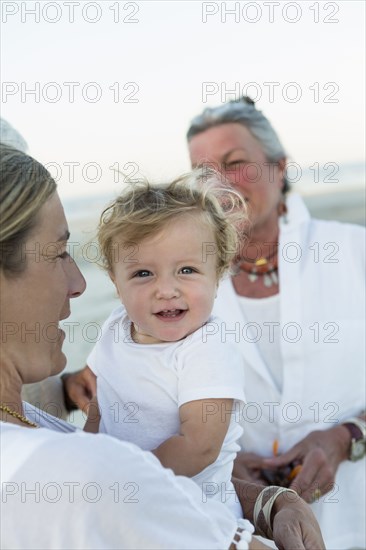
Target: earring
[(282, 209)]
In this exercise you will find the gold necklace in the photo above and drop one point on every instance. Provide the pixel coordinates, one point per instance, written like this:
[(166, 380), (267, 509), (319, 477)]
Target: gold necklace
[(20, 417)]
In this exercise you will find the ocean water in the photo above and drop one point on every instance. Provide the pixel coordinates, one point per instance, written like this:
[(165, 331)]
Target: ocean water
[(342, 200)]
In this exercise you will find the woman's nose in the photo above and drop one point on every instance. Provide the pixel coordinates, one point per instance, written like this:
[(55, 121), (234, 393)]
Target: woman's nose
[(77, 283)]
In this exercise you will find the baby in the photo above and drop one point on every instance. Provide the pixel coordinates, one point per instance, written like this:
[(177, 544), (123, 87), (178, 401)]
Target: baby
[(166, 379)]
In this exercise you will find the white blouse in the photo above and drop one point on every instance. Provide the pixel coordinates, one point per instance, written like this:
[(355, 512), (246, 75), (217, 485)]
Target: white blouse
[(263, 315)]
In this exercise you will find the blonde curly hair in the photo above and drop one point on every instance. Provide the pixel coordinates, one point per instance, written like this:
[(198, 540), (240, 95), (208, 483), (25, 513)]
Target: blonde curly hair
[(143, 209)]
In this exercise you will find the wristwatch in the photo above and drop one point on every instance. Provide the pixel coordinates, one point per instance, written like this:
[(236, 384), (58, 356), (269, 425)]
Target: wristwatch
[(357, 429)]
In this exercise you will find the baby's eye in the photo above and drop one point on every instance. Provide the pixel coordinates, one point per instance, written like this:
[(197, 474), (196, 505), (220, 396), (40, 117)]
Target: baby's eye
[(142, 273), (63, 255), (187, 270)]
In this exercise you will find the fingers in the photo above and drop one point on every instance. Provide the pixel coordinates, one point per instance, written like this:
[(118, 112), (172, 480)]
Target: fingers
[(316, 477), (90, 380), (253, 476), (290, 540), (307, 537), (80, 397), (78, 393), (246, 467), (282, 460), (295, 527), (258, 545), (80, 387), (287, 532), (247, 461)]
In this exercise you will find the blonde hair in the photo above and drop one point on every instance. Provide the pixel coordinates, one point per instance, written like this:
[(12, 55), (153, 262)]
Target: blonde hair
[(25, 186), (143, 209)]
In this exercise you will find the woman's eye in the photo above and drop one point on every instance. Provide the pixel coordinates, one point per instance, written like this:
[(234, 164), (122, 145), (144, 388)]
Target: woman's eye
[(142, 273), (187, 270), (234, 163)]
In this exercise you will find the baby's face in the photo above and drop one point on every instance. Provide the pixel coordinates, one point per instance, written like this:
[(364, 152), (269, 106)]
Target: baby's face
[(168, 282)]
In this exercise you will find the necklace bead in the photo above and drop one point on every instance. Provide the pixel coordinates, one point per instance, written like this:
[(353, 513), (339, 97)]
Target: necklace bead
[(264, 268)]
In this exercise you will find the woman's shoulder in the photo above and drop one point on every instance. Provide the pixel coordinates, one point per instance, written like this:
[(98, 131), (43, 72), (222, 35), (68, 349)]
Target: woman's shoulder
[(52, 449), (347, 241), (346, 230), (299, 216)]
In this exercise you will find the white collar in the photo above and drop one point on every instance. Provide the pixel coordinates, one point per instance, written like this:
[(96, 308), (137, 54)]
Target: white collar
[(297, 213)]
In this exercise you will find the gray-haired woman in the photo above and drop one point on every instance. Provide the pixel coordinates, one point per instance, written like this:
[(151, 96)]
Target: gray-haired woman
[(296, 309)]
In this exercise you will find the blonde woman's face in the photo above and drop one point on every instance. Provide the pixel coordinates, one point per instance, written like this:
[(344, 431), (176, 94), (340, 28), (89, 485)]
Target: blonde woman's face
[(34, 302), (232, 149), (168, 282)]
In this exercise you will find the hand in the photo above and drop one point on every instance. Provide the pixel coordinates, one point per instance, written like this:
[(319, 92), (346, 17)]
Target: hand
[(93, 421), (294, 525), (79, 388), (255, 544), (248, 466), (320, 454)]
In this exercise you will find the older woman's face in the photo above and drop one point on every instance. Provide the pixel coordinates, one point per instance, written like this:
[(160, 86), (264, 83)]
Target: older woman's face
[(234, 151), (34, 302)]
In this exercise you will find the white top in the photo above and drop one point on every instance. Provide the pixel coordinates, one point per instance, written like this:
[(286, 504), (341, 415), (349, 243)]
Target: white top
[(322, 316), (45, 420), (264, 324), (77, 490), (141, 387)]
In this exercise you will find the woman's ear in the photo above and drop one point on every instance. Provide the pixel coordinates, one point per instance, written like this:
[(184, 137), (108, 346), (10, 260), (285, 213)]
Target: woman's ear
[(282, 167)]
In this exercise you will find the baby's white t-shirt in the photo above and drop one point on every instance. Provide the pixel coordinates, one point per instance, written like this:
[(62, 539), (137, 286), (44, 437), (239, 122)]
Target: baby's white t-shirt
[(141, 387)]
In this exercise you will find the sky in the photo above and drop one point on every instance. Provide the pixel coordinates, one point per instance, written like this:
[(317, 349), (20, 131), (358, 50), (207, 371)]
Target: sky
[(115, 84)]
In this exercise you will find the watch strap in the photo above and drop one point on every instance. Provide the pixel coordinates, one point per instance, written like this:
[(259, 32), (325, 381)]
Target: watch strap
[(356, 427), (355, 431)]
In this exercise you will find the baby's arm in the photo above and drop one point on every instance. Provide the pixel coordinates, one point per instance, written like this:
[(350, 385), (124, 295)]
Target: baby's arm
[(93, 420), (203, 427)]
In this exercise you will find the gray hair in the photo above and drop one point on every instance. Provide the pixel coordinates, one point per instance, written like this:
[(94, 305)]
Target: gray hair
[(244, 112), (10, 136)]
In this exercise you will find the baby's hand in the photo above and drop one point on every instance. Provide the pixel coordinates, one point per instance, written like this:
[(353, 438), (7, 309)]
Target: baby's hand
[(93, 420)]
